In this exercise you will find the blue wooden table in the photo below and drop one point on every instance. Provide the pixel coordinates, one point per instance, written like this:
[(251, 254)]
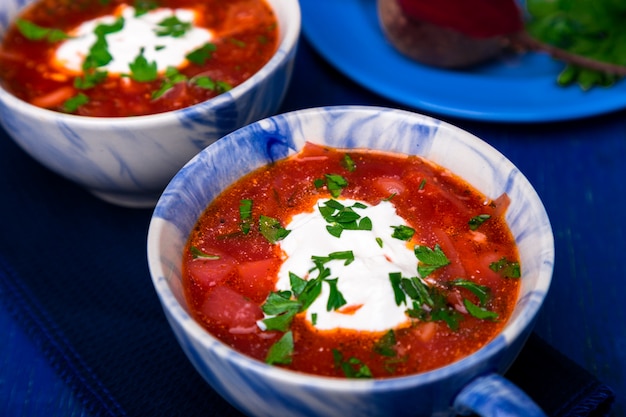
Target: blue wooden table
[(577, 167)]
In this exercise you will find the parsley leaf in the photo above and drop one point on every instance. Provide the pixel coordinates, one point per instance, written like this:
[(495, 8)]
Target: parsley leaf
[(245, 213), (198, 254), (335, 183), (475, 222), (142, 70), (35, 32), (282, 310), (588, 28), (347, 256), (403, 232), (479, 312), (352, 368), (172, 77), (430, 259), (385, 345), (281, 352), (72, 104), (297, 284), (208, 83), (348, 163), (202, 54), (343, 218), (335, 299), (418, 291), (144, 6), (506, 268), (90, 79), (172, 26), (271, 229), (480, 291), (311, 291), (396, 283), (99, 54)]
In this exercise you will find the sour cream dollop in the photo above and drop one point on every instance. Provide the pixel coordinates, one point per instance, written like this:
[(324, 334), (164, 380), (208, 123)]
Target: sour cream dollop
[(365, 282), (139, 33)]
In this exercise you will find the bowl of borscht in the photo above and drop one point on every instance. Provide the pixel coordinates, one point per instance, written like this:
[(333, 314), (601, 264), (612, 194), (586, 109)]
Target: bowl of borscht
[(353, 261), (117, 95)]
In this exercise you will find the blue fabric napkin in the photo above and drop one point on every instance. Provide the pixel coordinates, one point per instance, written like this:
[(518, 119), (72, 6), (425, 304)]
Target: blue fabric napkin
[(73, 273)]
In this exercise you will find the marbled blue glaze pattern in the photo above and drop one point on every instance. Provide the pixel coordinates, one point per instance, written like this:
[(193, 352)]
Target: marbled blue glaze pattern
[(129, 161), (261, 390)]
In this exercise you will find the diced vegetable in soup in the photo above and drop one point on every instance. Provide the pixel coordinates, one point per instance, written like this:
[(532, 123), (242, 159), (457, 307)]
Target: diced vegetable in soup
[(353, 263), (134, 57)]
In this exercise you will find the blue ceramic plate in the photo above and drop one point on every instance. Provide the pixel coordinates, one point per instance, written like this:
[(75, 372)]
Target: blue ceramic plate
[(513, 89)]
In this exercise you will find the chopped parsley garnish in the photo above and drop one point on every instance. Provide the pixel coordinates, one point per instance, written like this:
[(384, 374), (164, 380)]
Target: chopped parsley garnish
[(245, 213), (422, 184), (335, 183), (430, 303), (142, 70), (506, 268), (480, 313), (282, 306), (237, 42), (342, 217), (282, 309), (209, 83), (72, 104), (311, 290), (335, 299), (271, 229), (172, 26), (352, 367), (385, 346), (144, 6), (36, 33), (281, 352), (396, 283), (430, 259), (348, 163), (202, 54), (418, 291), (172, 77), (347, 256), (98, 56), (103, 29), (403, 232), (90, 79), (475, 222), (198, 254), (480, 291)]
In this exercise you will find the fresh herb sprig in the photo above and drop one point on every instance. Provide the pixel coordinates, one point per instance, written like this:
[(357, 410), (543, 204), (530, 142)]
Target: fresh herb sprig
[(430, 303), (589, 36), (335, 184), (351, 367), (35, 32), (340, 217)]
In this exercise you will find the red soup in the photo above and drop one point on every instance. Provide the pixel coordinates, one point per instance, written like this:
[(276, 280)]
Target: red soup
[(134, 57), (353, 263)]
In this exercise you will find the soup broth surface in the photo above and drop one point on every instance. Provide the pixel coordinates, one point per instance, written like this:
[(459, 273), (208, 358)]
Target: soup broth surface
[(118, 58), (353, 263)]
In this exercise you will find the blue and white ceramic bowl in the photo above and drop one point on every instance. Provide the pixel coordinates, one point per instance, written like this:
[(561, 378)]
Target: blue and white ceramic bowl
[(129, 161), (474, 383)]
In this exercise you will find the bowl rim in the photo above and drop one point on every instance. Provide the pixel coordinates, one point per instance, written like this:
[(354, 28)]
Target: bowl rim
[(289, 35), (513, 330)]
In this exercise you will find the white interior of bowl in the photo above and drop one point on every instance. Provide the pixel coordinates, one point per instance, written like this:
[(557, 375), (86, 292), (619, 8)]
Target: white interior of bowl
[(289, 21), (348, 126)]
